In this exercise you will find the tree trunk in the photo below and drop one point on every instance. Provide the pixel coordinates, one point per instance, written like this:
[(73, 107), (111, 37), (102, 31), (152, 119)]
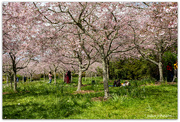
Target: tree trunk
[(54, 76), (15, 82), (107, 73), (107, 69), (44, 76), (11, 80), (63, 75), (160, 72), (160, 63), (79, 80), (95, 77), (105, 80), (30, 77), (7, 80), (55, 70)]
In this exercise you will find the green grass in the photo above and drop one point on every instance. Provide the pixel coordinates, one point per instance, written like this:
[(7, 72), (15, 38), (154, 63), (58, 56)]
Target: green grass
[(40, 100)]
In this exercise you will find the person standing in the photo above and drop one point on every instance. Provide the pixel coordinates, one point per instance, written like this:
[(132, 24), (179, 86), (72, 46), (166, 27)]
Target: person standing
[(68, 77), (169, 72), (175, 71), (50, 77), (17, 79), (24, 78)]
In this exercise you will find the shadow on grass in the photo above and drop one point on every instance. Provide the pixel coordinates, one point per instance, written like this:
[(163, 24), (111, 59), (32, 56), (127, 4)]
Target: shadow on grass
[(55, 109), (47, 102)]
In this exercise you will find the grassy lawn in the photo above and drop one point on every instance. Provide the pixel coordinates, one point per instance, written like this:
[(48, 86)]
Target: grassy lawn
[(40, 100)]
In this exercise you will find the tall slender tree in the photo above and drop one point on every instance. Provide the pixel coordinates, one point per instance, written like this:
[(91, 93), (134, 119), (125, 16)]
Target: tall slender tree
[(18, 20)]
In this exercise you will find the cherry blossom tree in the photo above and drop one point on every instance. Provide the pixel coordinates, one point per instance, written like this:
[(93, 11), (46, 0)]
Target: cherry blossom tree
[(105, 28), (18, 20), (51, 49), (104, 31), (156, 31), (83, 53), (75, 50)]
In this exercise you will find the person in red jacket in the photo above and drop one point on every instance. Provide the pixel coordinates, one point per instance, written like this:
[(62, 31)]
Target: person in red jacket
[(169, 72), (68, 77)]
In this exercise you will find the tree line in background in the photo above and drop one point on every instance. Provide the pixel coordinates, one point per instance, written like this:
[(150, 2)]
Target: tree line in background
[(127, 69), (39, 37), (139, 68)]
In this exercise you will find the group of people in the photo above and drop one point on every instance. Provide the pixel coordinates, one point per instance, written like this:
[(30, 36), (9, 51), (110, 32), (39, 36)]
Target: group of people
[(117, 83), (67, 78), (170, 74)]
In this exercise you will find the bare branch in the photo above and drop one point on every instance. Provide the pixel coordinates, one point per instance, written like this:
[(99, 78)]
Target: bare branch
[(45, 16)]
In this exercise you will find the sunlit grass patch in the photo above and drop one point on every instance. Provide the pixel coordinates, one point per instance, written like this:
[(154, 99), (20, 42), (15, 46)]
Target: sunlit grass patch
[(40, 100)]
